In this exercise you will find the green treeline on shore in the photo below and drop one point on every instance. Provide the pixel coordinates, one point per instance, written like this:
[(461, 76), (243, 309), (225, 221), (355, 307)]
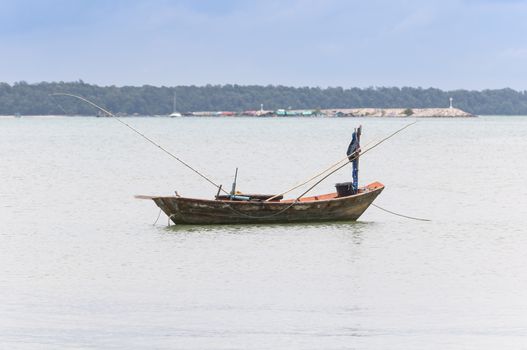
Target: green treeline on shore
[(35, 99)]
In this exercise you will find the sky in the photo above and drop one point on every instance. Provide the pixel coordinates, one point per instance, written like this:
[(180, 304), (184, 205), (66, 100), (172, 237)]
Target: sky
[(447, 44)]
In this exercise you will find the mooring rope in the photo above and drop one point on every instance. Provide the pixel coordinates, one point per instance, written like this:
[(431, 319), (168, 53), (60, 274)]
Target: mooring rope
[(158, 216), (401, 215), (140, 134)]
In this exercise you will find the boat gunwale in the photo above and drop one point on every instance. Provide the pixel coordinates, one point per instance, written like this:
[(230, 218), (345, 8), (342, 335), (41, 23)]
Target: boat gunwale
[(373, 187)]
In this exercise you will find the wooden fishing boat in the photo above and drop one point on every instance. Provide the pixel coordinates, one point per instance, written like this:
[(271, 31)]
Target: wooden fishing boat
[(256, 210)]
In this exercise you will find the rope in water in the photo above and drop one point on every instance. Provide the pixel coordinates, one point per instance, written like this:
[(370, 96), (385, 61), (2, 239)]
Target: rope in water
[(158, 216), (142, 135), (401, 215)]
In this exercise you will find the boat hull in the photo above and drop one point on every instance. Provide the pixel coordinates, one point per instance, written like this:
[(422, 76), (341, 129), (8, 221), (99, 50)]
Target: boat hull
[(322, 208)]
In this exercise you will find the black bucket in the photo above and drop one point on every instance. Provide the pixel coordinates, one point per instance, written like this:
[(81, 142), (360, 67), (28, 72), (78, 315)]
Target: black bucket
[(344, 189)]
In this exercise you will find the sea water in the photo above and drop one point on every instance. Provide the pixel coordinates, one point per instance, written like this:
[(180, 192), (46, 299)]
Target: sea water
[(82, 265)]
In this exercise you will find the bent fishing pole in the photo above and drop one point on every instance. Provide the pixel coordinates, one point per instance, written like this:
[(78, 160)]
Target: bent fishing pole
[(110, 114)]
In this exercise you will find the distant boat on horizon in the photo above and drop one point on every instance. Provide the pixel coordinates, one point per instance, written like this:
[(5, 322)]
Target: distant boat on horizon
[(174, 113)]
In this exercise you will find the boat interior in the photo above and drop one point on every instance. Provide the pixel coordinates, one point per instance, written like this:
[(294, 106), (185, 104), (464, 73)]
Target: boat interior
[(343, 191)]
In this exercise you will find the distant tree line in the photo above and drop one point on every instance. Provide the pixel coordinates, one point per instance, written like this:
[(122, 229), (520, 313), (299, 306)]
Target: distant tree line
[(35, 99)]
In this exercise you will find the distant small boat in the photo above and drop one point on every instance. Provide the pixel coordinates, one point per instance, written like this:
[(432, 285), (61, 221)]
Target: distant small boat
[(174, 110), (256, 210)]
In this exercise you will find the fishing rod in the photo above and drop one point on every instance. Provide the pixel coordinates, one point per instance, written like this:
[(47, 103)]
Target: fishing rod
[(142, 135)]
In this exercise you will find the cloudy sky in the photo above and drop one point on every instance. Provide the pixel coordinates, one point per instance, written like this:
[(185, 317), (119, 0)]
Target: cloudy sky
[(449, 44)]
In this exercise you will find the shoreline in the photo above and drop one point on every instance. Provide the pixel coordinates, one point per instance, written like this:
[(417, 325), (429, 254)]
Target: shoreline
[(306, 113), (403, 112)]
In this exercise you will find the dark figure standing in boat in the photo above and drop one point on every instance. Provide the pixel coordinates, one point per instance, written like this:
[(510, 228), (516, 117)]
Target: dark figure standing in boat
[(353, 156)]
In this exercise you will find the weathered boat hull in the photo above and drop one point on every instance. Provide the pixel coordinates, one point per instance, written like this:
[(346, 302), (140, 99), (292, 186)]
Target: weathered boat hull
[(327, 207)]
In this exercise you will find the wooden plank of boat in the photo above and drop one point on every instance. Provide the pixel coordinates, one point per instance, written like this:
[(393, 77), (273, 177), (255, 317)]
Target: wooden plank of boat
[(327, 207), (261, 197)]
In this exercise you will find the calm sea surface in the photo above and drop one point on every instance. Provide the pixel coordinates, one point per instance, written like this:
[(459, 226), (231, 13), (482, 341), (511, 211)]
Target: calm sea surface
[(83, 267)]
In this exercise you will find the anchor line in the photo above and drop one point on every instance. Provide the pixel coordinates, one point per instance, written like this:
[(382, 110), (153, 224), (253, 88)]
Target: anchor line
[(142, 135), (401, 215), (158, 216)]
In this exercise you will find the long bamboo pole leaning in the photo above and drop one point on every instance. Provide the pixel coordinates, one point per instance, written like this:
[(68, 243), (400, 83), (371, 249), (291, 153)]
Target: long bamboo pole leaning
[(142, 135)]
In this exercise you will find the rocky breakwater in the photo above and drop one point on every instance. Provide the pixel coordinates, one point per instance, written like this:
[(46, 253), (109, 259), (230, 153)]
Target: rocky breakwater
[(400, 112)]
